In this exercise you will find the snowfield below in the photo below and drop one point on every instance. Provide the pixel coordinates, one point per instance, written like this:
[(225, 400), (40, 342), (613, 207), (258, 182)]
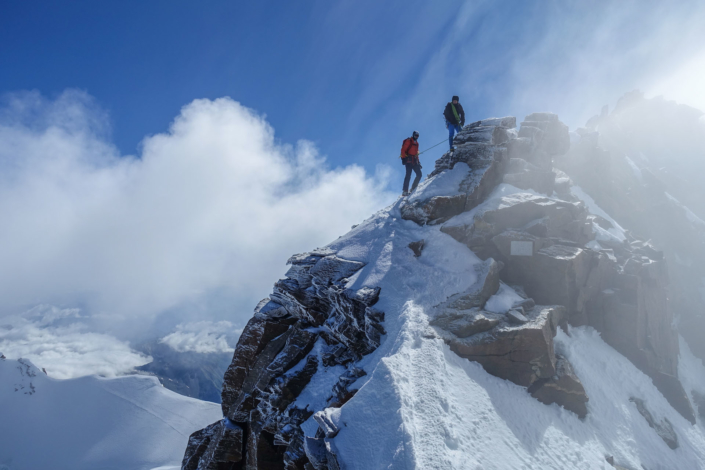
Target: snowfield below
[(421, 406), (93, 423)]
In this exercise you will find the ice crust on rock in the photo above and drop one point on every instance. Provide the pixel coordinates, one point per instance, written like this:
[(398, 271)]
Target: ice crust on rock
[(469, 356)]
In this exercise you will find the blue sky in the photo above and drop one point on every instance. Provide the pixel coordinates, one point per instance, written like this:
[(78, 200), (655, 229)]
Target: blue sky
[(137, 201), (355, 77)]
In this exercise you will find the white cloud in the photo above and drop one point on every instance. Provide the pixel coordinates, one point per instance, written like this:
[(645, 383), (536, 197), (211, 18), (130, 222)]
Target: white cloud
[(54, 339), (214, 204), (203, 337), (684, 84), (566, 57)]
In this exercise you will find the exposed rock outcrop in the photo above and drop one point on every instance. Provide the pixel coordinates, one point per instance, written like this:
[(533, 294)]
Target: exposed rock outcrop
[(548, 247), (217, 446), (547, 261), (417, 247), (273, 362), (482, 148), (564, 388), (619, 286), (663, 428), (522, 354), (637, 163)]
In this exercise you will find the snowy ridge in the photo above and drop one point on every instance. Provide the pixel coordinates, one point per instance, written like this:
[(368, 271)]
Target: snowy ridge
[(407, 399), (425, 407)]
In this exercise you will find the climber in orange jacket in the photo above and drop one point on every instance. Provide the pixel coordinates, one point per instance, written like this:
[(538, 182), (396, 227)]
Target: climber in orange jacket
[(410, 159)]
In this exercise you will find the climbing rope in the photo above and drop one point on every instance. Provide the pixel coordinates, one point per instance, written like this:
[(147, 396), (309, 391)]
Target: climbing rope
[(439, 143)]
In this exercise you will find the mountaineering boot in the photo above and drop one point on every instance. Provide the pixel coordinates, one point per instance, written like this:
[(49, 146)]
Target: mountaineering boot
[(405, 193)]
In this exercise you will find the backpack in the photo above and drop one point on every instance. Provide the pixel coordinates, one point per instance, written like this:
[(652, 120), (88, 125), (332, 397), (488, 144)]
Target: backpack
[(405, 160)]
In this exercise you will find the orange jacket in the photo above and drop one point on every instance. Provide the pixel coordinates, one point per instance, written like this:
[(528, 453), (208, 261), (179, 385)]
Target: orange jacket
[(410, 148)]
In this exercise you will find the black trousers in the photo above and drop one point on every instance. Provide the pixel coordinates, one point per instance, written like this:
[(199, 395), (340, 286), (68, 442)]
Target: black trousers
[(416, 168)]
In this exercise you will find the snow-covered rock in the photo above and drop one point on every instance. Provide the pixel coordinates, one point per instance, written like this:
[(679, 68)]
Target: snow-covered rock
[(516, 339)]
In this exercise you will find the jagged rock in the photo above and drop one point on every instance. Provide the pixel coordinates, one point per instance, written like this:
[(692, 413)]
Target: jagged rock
[(510, 122), (345, 314), (332, 268), (517, 316), (279, 355), (553, 275), (464, 323), (320, 454), (562, 219), (285, 388), (254, 339), (435, 210), (672, 389), (564, 388), (367, 295), (271, 364), (519, 353), (316, 452), (664, 428), (477, 132), (525, 304), (417, 247), (540, 181), (525, 175), (485, 287), (484, 152), (634, 168), (481, 290), (224, 448), (549, 251), (261, 452), (341, 390), (519, 165), (28, 372), (632, 314), (550, 134), (197, 445), (540, 241), (562, 184), (610, 460), (325, 423)]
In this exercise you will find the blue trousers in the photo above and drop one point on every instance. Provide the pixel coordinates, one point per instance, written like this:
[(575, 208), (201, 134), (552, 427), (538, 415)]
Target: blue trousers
[(452, 129)]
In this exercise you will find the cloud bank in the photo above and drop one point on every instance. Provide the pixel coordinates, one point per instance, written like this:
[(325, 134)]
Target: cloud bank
[(203, 337), (57, 340), (210, 209)]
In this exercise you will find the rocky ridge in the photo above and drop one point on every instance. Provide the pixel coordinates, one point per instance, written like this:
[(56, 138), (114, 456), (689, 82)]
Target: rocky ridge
[(547, 259), (642, 164)]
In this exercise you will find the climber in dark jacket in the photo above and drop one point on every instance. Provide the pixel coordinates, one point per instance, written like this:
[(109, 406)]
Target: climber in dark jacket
[(410, 159), (455, 118)]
